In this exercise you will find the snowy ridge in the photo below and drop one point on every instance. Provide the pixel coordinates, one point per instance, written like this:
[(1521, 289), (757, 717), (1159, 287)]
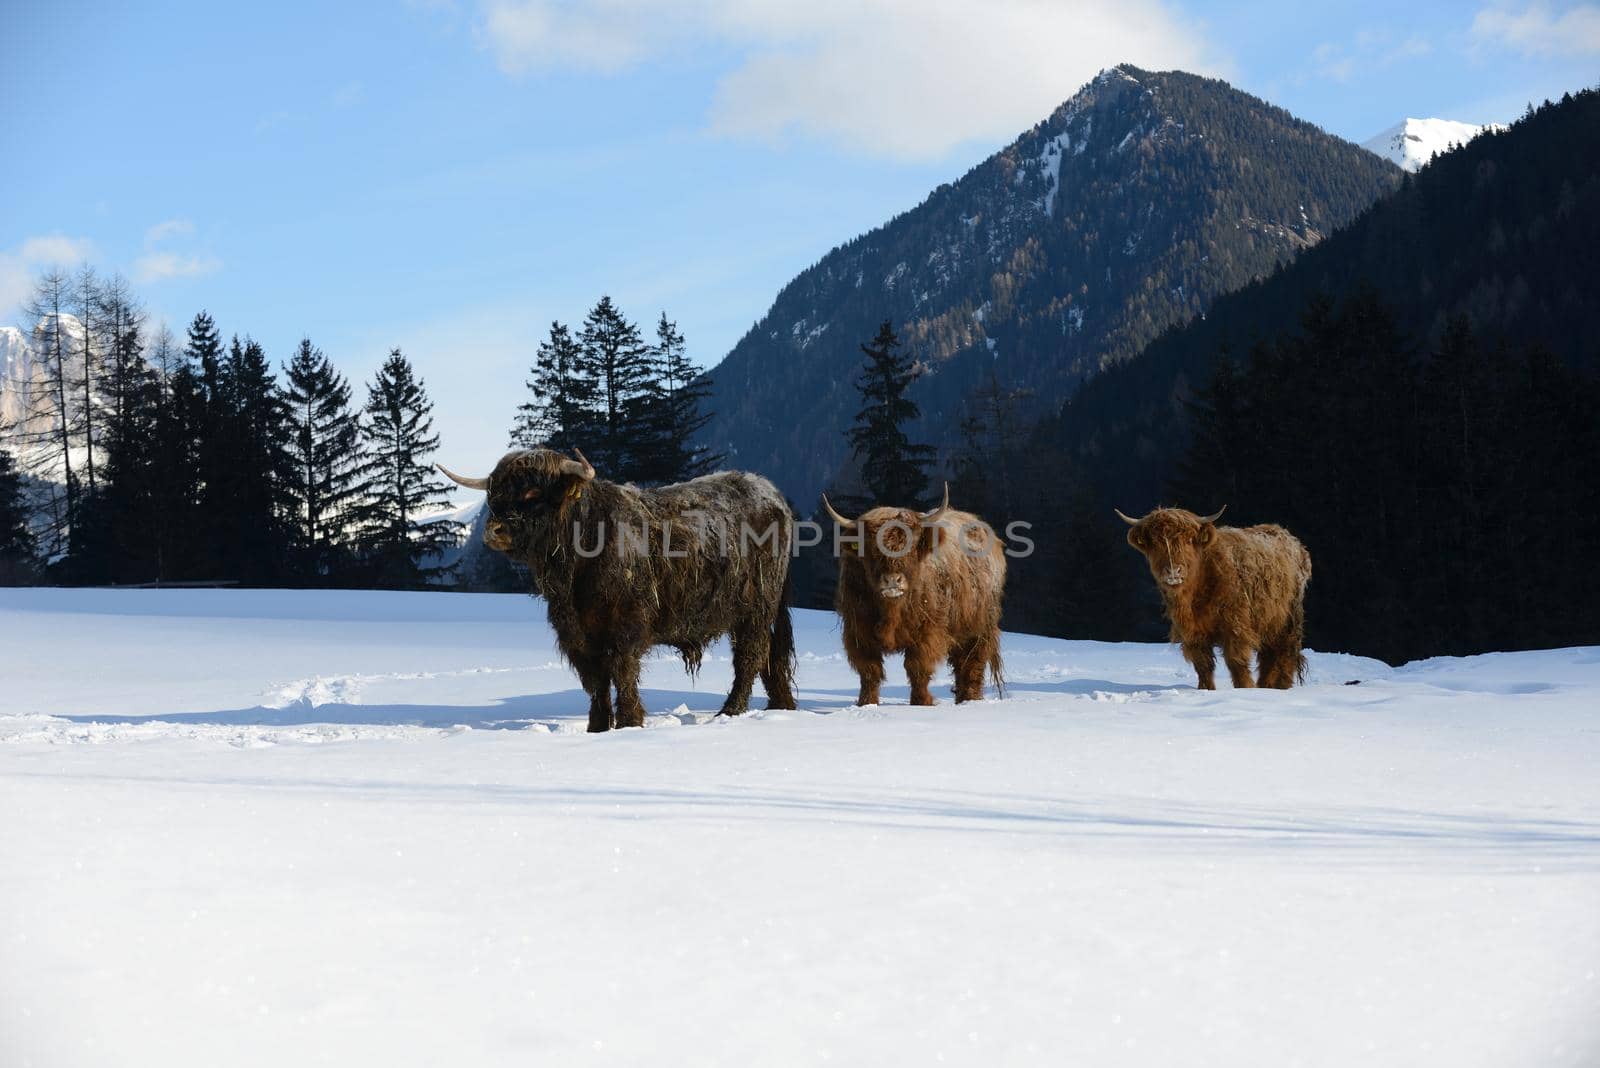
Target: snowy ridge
[(1413, 142)]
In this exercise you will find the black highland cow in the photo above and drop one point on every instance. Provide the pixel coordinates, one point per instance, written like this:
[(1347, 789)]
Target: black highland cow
[(623, 569)]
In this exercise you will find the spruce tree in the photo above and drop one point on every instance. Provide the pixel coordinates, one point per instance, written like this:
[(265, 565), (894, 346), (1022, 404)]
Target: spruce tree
[(672, 412), (17, 546), (184, 543), (256, 466), (402, 486), (616, 356), (324, 477), (894, 469), (204, 396), (561, 412)]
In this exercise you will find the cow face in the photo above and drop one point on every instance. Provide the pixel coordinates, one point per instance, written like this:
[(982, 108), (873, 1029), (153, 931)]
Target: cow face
[(1172, 541), (526, 489), (893, 544), (893, 548)]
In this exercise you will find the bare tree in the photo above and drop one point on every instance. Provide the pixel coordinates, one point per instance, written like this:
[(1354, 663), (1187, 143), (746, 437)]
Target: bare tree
[(87, 307), (121, 320), (46, 430)]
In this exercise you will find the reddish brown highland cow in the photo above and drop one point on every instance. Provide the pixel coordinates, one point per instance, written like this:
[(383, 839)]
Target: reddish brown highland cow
[(1240, 589), (928, 585)]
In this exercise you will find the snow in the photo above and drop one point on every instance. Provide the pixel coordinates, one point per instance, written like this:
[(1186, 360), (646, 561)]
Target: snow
[(365, 828), (1414, 142), (1049, 162)]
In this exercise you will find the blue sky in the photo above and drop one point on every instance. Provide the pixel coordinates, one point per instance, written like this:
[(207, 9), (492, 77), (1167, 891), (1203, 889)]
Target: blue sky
[(449, 177)]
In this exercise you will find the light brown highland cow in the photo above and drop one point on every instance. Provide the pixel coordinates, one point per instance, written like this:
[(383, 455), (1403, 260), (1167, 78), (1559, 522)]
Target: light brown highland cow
[(928, 585), (1240, 589)]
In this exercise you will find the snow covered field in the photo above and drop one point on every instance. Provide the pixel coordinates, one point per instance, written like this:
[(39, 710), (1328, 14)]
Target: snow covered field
[(275, 828)]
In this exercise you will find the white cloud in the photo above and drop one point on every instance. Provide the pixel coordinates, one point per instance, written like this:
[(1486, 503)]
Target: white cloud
[(158, 266), (19, 265), (1537, 30), (160, 263), (168, 228), (904, 78)]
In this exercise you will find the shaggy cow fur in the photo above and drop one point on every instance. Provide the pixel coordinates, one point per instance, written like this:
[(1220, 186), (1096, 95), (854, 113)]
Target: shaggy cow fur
[(925, 597), (1241, 589), (673, 568)]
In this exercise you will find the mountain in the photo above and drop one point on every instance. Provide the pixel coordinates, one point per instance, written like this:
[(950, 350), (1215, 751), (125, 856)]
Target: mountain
[(1414, 142), (16, 367), (26, 411), (1504, 231), (1128, 210)]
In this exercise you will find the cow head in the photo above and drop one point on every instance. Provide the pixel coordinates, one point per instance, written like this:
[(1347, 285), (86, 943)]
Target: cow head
[(892, 544), (1172, 540), (528, 487)]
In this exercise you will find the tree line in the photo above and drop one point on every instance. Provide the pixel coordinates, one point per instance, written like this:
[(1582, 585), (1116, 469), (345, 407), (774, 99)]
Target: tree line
[(155, 460), (139, 457), (1443, 487), (1445, 490)]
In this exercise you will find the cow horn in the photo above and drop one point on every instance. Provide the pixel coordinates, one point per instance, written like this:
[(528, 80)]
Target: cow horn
[(942, 509), (470, 483), (837, 518), (580, 467), (1125, 519), (1214, 516)]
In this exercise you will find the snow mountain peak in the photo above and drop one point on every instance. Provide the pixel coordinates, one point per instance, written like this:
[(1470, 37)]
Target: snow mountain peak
[(1411, 143)]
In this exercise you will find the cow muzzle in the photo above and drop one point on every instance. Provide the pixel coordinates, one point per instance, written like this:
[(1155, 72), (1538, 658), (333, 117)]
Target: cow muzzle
[(496, 537), (1173, 577), (892, 587)]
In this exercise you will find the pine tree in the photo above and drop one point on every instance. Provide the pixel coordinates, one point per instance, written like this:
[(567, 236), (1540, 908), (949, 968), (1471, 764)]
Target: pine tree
[(204, 395), (119, 528), (398, 433), (324, 478), (561, 413), (673, 414), (256, 464), (184, 547), (895, 470), (616, 356), (17, 545)]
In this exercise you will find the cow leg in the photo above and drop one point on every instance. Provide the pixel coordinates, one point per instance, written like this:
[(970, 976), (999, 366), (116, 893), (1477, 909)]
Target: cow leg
[(779, 695), (597, 684), (1237, 656), (968, 661), (1267, 666), (867, 659), (624, 671), (920, 662), (1204, 661), (1279, 661), (750, 647), (774, 679)]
